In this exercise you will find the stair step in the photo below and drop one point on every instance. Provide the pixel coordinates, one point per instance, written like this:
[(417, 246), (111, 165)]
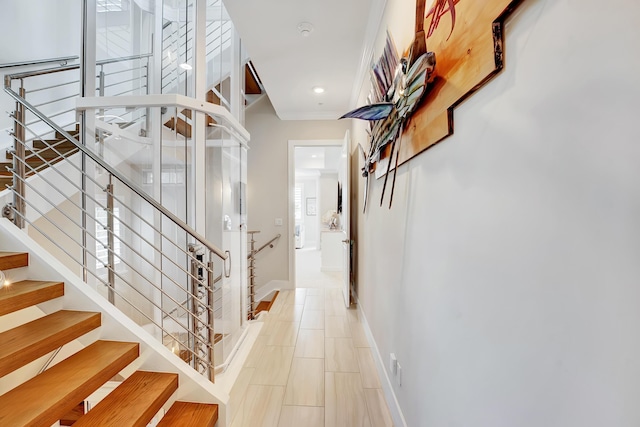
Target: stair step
[(26, 293), (183, 128), (266, 305), (74, 132), (46, 154), (26, 343), (187, 113), (39, 144), (134, 402), (185, 414), (9, 260), (74, 415), (46, 398)]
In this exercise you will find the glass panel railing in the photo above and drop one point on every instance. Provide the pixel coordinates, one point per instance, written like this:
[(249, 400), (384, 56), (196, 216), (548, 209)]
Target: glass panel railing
[(155, 148)]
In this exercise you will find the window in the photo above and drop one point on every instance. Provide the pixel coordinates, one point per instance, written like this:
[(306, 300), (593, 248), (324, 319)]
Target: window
[(102, 236)]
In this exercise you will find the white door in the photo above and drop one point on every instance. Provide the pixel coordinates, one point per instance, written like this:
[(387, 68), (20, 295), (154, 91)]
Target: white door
[(344, 177)]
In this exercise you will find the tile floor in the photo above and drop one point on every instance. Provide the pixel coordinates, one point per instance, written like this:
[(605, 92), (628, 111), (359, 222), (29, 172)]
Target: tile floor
[(311, 366)]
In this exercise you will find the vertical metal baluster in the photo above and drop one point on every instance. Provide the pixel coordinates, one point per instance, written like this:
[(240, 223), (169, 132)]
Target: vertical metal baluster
[(192, 304), (147, 118), (18, 162), (101, 77), (252, 275), (210, 318), (111, 276)]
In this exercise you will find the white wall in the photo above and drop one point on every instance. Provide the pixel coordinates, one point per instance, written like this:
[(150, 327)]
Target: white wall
[(36, 29), (328, 199), (311, 222), (505, 277), (267, 179)]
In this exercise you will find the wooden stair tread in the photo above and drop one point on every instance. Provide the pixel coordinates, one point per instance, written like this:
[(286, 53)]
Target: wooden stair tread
[(27, 293), (134, 402), (59, 144), (266, 305), (262, 306), (180, 126), (46, 154), (74, 415), (9, 260), (46, 398), (32, 340), (185, 414)]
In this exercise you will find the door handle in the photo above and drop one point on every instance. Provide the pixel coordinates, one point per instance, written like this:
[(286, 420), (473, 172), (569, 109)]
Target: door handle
[(346, 241)]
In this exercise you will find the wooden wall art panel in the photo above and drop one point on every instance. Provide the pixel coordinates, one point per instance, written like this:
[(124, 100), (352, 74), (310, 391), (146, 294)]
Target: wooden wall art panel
[(466, 59)]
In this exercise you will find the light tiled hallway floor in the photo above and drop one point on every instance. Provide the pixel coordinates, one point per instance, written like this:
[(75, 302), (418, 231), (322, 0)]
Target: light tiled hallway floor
[(311, 366)]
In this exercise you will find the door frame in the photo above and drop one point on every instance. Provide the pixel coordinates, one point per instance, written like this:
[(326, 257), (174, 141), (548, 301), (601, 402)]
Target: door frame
[(292, 144)]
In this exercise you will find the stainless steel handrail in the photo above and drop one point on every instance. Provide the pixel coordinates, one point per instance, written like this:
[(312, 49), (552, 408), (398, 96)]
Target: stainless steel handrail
[(133, 187), (269, 243), (62, 60), (70, 67), (194, 333)]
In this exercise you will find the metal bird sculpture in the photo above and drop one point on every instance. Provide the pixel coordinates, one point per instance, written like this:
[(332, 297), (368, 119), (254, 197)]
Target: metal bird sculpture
[(398, 85)]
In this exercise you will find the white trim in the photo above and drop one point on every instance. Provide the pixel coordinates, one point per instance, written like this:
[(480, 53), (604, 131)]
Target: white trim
[(385, 382), (373, 29), (293, 143), (100, 102)]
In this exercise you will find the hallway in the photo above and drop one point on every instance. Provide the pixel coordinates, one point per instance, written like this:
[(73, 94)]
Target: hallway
[(311, 364)]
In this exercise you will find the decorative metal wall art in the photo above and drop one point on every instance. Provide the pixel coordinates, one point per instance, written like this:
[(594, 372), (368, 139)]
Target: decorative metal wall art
[(412, 100)]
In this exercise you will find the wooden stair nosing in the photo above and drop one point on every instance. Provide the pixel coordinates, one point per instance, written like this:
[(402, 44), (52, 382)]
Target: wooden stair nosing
[(134, 402), (46, 398), (26, 293), (26, 343), (9, 260), (185, 414)]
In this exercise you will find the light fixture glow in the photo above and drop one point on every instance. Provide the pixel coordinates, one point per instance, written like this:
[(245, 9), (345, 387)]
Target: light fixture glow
[(186, 66), (3, 280), (318, 89)]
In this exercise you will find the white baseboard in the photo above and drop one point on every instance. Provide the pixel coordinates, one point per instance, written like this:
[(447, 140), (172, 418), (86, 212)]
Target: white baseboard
[(387, 388), (270, 286)]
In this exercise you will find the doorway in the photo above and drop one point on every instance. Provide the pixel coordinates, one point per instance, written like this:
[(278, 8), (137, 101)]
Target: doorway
[(314, 218)]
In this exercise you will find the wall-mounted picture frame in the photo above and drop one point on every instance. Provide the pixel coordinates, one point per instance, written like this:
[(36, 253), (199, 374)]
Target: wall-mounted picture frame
[(311, 206)]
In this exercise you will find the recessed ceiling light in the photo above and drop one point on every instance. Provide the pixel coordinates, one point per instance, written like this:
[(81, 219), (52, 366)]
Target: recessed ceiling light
[(186, 66), (313, 156), (318, 89), (305, 28)]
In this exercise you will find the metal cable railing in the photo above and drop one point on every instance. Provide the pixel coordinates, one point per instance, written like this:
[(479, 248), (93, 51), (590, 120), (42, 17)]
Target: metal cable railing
[(251, 294), (150, 263), (115, 76)]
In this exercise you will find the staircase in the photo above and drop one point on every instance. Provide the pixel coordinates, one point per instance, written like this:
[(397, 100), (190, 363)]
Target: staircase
[(56, 392), (252, 88), (51, 150)]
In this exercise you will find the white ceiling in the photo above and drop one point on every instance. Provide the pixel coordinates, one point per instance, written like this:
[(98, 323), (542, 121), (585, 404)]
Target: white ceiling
[(313, 160), (290, 65)]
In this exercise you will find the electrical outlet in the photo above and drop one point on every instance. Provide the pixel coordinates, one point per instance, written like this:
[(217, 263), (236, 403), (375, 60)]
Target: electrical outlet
[(393, 363), (399, 374)]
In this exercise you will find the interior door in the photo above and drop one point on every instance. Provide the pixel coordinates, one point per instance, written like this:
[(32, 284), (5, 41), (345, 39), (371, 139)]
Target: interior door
[(344, 176)]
